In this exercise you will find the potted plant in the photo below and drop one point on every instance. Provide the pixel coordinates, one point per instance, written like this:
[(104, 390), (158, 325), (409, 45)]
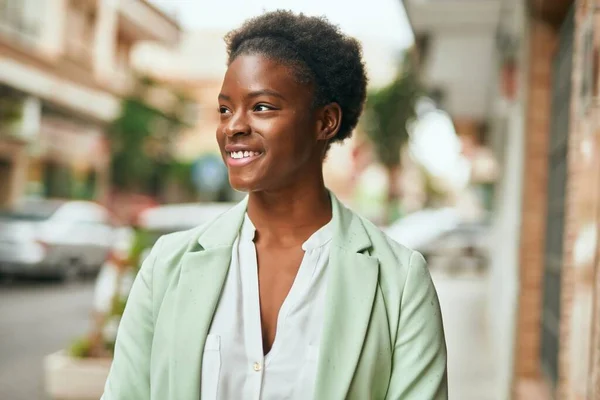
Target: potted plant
[(140, 142), (79, 373)]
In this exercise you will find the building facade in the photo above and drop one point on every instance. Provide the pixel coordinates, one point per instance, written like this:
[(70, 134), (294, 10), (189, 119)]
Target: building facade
[(64, 66), (542, 110)]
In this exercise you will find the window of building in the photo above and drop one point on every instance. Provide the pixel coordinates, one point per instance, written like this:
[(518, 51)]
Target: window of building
[(80, 32), (21, 18), (122, 61)]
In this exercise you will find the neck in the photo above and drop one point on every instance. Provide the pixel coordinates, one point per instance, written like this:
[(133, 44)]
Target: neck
[(290, 214)]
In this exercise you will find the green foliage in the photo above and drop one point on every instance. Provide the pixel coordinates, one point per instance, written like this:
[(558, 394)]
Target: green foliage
[(102, 346), (11, 113), (131, 163), (390, 109), (81, 348), (143, 240), (11, 109), (181, 172), (109, 346), (141, 139), (118, 306)]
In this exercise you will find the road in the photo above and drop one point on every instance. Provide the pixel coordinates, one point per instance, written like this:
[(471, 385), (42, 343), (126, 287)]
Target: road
[(36, 319), (39, 318)]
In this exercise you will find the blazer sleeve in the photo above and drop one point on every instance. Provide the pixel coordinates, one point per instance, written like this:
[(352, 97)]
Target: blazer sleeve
[(129, 376), (419, 369)]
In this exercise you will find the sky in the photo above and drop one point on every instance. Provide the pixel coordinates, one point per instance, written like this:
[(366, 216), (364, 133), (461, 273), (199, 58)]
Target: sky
[(380, 25), (435, 145), (382, 20)]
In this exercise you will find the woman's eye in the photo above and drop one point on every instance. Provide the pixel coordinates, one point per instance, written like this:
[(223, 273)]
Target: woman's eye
[(223, 110), (262, 107)]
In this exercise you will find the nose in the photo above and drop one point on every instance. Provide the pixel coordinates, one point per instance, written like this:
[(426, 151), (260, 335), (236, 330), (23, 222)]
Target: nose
[(237, 125)]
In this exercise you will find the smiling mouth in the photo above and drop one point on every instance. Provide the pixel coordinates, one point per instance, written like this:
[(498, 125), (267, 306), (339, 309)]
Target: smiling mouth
[(242, 158), (239, 155)]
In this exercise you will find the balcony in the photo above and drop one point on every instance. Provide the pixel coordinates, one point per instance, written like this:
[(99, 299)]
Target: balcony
[(457, 41), (21, 20), (443, 15), (143, 21)]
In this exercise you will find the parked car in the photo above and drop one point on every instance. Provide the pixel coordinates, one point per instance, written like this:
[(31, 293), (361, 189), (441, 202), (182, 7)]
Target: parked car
[(462, 249), (446, 241), (132, 246), (54, 238)]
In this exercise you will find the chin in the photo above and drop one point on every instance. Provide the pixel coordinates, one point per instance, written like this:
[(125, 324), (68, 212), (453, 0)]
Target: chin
[(241, 184)]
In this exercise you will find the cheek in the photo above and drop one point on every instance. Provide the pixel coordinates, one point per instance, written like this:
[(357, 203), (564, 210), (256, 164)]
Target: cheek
[(292, 136), (219, 132), (293, 152)]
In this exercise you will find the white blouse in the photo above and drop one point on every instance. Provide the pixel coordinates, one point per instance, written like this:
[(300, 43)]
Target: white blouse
[(233, 365)]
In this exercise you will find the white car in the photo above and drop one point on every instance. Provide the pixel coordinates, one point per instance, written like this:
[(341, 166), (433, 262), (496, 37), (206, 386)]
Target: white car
[(445, 239), (153, 223), (54, 238)]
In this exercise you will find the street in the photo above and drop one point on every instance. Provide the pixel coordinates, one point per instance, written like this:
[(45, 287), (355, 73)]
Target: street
[(37, 318)]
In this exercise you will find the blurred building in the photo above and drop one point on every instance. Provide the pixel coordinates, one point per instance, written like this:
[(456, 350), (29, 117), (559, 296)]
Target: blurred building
[(196, 68), (64, 65), (529, 71), (204, 53)]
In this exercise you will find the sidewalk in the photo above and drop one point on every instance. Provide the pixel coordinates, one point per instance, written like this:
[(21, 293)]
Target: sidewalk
[(470, 367)]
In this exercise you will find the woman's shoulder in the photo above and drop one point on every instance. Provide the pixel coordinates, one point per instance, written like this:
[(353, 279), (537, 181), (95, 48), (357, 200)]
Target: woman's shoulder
[(399, 265), (170, 248), (383, 246)]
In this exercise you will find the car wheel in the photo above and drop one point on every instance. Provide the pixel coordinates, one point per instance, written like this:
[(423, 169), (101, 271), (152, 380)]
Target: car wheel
[(71, 272), (6, 278)]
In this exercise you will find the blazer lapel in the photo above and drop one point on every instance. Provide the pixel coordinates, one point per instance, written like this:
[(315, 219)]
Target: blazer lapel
[(203, 274), (353, 278)]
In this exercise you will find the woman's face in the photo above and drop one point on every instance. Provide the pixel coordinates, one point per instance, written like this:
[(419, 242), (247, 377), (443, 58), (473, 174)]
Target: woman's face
[(269, 134)]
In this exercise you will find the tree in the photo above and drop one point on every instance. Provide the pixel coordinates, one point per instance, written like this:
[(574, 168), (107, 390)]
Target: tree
[(388, 113), (131, 165), (140, 141)]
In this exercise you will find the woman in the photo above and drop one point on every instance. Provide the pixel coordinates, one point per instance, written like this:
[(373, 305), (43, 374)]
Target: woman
[(289, 295)]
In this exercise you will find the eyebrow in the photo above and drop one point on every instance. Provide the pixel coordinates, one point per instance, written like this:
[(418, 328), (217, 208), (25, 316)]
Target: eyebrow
[(265, 92), (256, 93)]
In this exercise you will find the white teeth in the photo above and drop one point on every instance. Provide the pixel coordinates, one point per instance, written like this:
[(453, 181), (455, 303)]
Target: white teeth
[(243, 154)]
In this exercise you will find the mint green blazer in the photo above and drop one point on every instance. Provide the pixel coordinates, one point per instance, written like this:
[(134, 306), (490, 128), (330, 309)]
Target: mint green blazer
[(382, 336)]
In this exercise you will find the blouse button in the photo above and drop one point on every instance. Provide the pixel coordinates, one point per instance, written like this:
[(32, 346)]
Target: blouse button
[(257, 367)]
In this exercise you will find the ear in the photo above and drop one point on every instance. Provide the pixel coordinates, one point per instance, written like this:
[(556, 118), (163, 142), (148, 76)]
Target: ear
[(330, 119)]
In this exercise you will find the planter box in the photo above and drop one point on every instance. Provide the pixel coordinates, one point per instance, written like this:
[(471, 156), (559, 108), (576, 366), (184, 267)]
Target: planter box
[(68, 378)]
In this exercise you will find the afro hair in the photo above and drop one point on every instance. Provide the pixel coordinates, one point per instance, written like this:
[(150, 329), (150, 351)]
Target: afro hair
[(319, 53)]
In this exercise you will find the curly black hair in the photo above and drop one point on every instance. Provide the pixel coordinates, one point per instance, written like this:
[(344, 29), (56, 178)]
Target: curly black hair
[(319, 53)]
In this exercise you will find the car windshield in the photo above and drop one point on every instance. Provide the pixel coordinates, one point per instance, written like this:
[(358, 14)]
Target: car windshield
[(32, 210)]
